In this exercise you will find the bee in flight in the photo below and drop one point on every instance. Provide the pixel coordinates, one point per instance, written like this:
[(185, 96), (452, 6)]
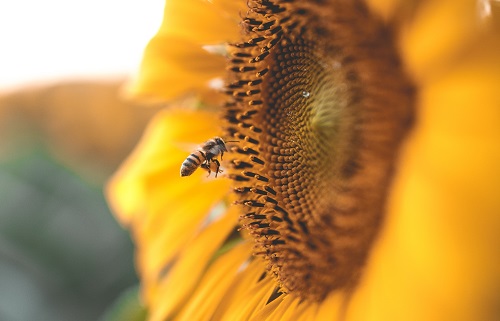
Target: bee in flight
[(205, 157)]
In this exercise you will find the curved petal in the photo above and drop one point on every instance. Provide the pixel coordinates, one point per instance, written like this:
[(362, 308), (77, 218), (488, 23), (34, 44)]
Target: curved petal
[(273, 310), (180, 281), (173, 65), (169, 226), (174, 61), (232, 9), (163, 209), (157, 153), (200, 21), (437, 258), (255, 299), (309, 313), (214, 285), (437, 35), (295, 309), (385, 8), (305, 312), (332, 307), (280, 309), (240, 288)]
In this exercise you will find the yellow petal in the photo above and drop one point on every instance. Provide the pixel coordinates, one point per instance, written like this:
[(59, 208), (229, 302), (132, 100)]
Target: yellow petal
[(200, 21), (172, 66), (214, 285), (149, 194), (435, 38), (174, 61), (308, 314), (185, 274), (305, 311), (157, 153), (247, 279), (275, 310), (232, 9), (251, 303), (168, 229), (384, 8), (333, 307), (295, 308), (437, 258)]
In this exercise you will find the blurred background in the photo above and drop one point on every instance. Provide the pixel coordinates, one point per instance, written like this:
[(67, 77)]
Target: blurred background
[(63, 131)]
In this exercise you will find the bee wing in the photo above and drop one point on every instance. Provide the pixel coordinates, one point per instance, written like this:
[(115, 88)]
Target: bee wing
[(187, 147)]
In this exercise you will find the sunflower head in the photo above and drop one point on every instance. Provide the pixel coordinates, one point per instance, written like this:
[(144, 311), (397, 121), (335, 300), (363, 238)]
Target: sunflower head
[(320, 103), (362, 194)]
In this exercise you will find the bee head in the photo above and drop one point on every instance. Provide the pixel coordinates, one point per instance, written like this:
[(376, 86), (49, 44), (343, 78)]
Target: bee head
[(220, 142)]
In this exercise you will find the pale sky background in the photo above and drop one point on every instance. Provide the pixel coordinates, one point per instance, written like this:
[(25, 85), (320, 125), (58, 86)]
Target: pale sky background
[(52, 40)]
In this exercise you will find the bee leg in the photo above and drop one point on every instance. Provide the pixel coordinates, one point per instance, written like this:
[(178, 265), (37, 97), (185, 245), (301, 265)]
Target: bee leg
[(206, 167), (217, 170), (221, 154), (207, 164)]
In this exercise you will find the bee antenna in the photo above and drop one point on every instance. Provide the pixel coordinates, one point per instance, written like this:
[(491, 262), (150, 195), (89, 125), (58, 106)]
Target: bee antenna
[(232, 141)]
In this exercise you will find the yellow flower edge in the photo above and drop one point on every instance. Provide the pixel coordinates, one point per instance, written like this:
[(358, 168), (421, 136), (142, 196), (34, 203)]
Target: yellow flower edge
[(174, 61), (162, 216), (436, 257)]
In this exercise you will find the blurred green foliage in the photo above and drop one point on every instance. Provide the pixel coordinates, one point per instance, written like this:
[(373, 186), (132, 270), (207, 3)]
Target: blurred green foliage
[(62, 254), (126, 308)]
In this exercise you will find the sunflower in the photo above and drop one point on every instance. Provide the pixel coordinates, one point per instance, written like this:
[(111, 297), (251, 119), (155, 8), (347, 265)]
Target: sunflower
[(363, 181)]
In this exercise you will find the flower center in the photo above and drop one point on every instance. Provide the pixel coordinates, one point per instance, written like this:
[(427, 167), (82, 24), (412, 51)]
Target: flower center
[(319, 105)]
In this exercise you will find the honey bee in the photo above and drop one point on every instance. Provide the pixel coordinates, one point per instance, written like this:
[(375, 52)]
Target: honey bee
[(205, 157)]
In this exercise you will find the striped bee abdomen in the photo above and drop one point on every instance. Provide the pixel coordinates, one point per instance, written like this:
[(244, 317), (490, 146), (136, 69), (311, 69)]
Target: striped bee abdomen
[(192, 162)]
